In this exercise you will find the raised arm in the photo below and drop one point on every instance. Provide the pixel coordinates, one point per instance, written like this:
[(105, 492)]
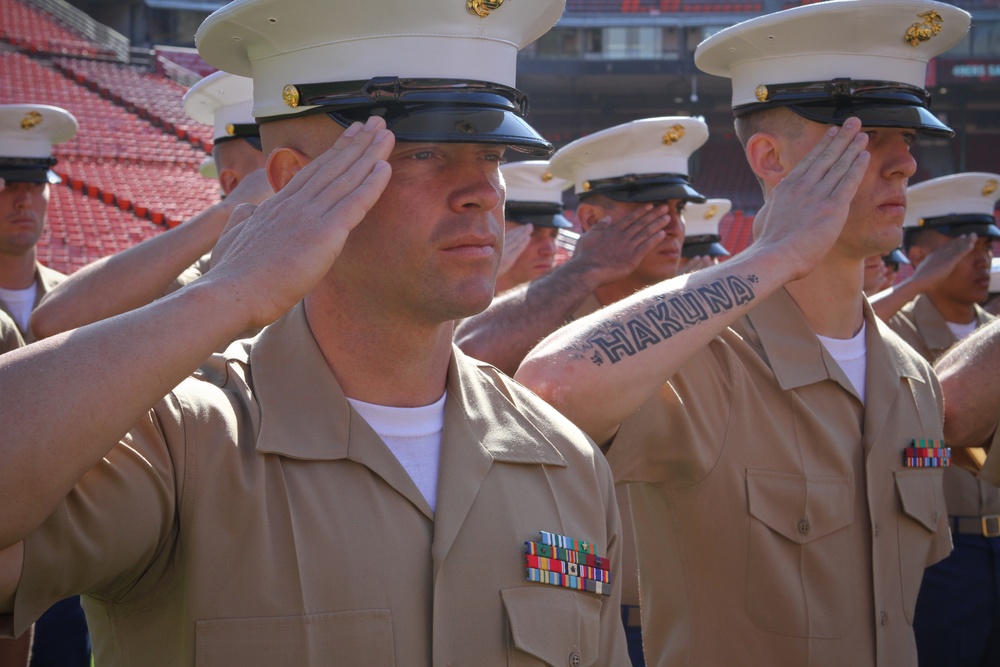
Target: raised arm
[(970, 381), (599, 370), (516, 320), (68, 399), (139, 275), (932, 270)]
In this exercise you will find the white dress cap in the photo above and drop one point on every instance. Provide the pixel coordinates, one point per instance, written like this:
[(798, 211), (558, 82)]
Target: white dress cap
[(282, 42), (534, 194), (701, 227), (27, 134), (224, 101), (884, 41), (533, 181), (704, 218), (955, 204), (643, 160)]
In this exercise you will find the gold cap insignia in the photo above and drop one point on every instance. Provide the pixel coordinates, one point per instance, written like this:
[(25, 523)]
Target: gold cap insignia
[(230, 129), (673, 135), (290, 94), (547, 176), (921, 32), (990, 187), (920, 222), (482, 8), (761, 93), (710, 213), (586, 186), (30, 120)]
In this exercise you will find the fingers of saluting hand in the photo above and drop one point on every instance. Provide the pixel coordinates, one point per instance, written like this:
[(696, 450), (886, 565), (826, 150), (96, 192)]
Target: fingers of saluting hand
[(342, 177), (836, 164)]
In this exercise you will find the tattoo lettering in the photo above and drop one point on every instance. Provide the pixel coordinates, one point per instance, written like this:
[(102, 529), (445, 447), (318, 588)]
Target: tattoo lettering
[(669, 315)]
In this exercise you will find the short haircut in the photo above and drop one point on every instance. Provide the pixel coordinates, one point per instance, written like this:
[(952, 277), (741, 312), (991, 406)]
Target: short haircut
[(777, 120)]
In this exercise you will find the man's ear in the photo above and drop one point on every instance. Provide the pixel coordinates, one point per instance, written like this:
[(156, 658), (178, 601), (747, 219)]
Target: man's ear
[(764, 153), (282, 164), (228, 180), (917, 254), (588, 214)]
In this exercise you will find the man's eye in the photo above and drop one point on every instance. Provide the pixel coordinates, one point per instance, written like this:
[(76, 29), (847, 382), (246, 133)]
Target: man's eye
[(422, 155)]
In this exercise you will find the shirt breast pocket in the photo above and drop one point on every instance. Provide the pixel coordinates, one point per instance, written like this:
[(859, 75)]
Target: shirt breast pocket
[(800, 570), (921, 496), (551, 626), (361, 638)]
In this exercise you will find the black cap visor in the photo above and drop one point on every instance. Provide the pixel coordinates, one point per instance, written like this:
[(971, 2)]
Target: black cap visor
[(874, 103), (538, 214), (958, 224), (28, 170), (645, 188), (431, 110), (699, 246)]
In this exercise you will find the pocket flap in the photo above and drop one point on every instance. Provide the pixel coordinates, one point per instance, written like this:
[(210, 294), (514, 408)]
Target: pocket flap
[(922, 496), (801, 508), (552, 624)]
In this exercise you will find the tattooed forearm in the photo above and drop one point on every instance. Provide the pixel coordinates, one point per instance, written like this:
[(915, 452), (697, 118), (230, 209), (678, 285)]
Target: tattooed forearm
[(670, 314)]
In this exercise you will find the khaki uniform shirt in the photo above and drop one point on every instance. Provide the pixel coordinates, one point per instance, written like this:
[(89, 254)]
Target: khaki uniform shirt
[(630, 567), (191, 274), (774, 520), (253, 518), (921, 325), (46, 279), (10, 337)]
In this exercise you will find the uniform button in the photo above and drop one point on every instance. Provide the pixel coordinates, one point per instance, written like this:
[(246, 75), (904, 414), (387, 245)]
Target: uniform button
[(574, 659), (876, 530), (885, 618), (804, 526)]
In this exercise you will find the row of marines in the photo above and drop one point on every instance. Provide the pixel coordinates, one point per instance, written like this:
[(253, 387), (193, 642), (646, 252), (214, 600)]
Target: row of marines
[(347, 486)]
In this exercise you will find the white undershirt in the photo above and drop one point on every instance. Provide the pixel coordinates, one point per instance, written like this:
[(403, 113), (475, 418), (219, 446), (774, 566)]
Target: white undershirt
[(962, 331), (20, 302), (852, 356), (414, 436)]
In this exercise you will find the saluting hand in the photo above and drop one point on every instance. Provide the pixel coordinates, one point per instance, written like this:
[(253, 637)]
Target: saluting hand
[(805, 213), (271, 255), (612, 249)]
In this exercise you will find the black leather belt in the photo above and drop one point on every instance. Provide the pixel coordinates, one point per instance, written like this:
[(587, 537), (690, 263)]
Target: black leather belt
[(986, 526), (630, 617)]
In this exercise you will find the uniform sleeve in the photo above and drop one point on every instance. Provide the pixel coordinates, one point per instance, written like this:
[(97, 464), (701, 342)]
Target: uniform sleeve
[(10, 337), (677, 436), (113, 535), (190, 274), (991, 468)]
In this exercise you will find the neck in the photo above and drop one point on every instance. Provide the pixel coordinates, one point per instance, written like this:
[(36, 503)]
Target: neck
[(830, 297), (951, 310), (17, 271), (377, 358)]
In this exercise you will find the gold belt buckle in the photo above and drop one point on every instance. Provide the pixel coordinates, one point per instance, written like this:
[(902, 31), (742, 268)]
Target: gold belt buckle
[(991, 525)]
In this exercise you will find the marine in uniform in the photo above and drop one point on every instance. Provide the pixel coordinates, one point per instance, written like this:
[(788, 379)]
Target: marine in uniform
[(275, 510), (782, 510), (27, 135), (702, 243), (957, 620), (534, 197), (632, 184)]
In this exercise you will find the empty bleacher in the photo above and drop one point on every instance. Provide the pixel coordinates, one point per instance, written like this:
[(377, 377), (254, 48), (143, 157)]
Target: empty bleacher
[(132, 169), (34, 31)]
